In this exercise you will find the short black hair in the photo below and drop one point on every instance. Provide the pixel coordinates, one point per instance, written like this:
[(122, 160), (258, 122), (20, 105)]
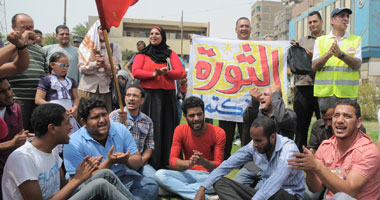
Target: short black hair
[(14, 18), (88, 104), (267, 123), (46, 114), (352, 103), (37, 31), (192, 102), (330, 103), (142, 91), (315, 13), (61, 27), (139, 43), (241, 18)]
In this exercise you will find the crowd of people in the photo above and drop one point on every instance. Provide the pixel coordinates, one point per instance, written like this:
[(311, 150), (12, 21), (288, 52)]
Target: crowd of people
[(63, 137)]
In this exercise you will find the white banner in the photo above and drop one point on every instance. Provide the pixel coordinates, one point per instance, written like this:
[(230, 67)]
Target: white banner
[(222, 72)]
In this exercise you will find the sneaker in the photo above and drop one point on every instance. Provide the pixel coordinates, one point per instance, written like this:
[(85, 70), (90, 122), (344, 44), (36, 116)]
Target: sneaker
[(237, 142)]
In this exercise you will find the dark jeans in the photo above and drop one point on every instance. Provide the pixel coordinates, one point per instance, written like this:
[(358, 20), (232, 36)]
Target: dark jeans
[(305, 104), (229, 127), (27, 107), (228, 189)]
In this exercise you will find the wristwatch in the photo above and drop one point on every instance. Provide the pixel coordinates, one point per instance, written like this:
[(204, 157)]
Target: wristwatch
[(342, 55)]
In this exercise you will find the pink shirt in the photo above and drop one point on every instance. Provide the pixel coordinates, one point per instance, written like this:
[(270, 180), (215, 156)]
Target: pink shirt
[(363, 157)]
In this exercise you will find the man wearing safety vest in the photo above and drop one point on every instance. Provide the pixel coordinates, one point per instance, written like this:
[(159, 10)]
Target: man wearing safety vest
[(337, 58)]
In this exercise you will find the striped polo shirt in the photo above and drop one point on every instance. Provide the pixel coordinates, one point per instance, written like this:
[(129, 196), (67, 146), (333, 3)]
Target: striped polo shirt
[(24, 85)]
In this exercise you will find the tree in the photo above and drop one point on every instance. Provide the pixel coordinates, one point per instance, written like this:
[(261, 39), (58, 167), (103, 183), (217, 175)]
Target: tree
[(127, 54), (50, 39), (81, 29)]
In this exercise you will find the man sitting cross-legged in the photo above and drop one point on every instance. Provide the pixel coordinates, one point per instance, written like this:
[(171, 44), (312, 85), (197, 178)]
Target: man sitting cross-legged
[(33, 171), (100, 137), (139, 124), (203, 147), (270, 152)]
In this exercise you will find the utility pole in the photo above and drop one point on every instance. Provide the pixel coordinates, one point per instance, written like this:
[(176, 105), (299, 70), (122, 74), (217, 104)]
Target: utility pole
[(64, 14), (182, 35), (3, 20)]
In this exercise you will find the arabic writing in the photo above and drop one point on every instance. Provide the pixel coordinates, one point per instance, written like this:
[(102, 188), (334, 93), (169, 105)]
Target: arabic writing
[(223, 107), (212, 73)]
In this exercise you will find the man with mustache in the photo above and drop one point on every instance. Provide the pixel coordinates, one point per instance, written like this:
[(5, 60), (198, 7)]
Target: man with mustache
[(337, 59), (203, 147), (270, 152)]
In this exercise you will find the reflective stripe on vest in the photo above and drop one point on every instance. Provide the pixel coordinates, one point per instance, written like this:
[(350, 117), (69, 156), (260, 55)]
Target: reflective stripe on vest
[(336, 77)]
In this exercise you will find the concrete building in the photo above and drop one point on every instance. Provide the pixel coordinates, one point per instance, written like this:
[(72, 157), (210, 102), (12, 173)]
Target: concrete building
[(131, 31), (262, 17), (363, 22), (281, 23)]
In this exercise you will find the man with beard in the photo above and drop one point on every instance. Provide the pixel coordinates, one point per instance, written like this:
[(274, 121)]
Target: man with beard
[(266, 103), (11, 113), (270, 152), (63, 36), (346, 163), (203, 147)]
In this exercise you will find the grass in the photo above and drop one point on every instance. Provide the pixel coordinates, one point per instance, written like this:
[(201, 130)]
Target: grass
[(372, 128)]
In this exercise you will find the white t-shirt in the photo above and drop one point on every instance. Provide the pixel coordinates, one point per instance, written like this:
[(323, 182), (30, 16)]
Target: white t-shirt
[(29, 163), (2, 112)]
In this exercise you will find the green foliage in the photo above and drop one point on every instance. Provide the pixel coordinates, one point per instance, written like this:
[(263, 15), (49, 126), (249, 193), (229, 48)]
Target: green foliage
[(127, 54), (50, 39), (81, 29), (368, 101)]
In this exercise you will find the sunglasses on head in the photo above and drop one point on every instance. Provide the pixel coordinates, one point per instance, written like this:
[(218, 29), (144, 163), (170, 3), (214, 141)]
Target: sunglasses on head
[(62, 64)]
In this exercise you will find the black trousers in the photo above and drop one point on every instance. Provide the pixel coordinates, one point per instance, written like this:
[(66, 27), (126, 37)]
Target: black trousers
[(27, 107), (161, 106), (228, 189), (305, 104), (229, 127)]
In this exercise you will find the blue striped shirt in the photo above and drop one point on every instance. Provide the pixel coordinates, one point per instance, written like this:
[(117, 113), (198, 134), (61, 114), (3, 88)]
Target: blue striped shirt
[(276, 174)]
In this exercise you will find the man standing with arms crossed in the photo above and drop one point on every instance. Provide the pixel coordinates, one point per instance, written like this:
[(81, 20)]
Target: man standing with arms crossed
[(337, 58)]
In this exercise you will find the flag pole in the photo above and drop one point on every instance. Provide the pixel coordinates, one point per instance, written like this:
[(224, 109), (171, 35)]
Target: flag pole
[(109, 52)]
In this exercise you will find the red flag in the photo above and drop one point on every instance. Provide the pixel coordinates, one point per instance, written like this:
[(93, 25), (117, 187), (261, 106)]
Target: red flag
[(111, 12)]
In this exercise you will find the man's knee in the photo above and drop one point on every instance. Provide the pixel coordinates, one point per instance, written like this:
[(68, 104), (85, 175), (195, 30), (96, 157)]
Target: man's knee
[(222, 182)]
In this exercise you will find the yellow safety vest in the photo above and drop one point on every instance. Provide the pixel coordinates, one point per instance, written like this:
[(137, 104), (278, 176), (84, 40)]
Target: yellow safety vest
[(336, 77)]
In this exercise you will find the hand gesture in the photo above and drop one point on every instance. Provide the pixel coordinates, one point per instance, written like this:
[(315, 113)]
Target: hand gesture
[(100, 62), (197, 157), (85, 169), (335, 50), (29, 37), (72, 111), (309, 53), (164, 71), (275, 88), (293, 42), (255, 94), (304, 161), (122, 117), (117, 157), (20, 138), (16, 39)]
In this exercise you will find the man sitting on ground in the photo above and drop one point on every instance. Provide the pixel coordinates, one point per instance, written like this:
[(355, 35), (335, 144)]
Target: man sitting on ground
[(139, 124), (203, 147), (270, 152), (100, 137), (34, 171), (347, 163)]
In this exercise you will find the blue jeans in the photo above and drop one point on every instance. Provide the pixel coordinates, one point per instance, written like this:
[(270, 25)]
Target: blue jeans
[(103, 185), (147, 170), (185, 184), (142, 188), (246, 177)]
